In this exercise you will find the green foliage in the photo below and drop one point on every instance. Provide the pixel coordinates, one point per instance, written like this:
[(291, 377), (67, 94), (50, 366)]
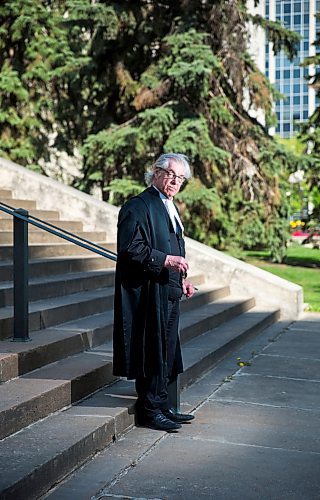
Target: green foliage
[(201, 209), (310, 134), (126, 81), (280, 37), (192, 137), (122, 189), (219, 111), (189, 63), (155, 124), (112, 151)]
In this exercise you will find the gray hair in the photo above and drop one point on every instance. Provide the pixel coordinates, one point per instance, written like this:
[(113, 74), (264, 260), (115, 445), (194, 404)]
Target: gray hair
[(164, 162)]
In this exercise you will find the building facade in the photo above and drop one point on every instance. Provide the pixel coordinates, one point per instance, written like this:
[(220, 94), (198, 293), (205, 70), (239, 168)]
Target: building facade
[(298, 99)]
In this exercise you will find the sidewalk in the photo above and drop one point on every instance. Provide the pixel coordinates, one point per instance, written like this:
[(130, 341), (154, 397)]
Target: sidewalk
[(256, 434)]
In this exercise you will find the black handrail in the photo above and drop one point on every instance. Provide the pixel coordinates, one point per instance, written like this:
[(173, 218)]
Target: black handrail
[(21, 219), (73, 238)]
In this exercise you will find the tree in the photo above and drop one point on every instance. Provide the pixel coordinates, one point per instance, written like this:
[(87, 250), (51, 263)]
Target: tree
[(310, 136), (33, 50), (126, 81)]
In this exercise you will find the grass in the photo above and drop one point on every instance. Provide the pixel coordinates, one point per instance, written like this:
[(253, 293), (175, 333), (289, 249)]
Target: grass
[(302, 266)]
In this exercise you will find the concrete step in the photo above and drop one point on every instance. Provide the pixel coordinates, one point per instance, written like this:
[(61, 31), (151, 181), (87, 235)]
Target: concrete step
[(53, 344), (204, 295), (58, 265), (59, 285), (40, 214), (49, 312), (44, 453), (19, 203), (43, 237), (52, 250), (203, 352), (65, 339), (97, 421), (5, 194), (67, 225), (36, 395), (196, 321)]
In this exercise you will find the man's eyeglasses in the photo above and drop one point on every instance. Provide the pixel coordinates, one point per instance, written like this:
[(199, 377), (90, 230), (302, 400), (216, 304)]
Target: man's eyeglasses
[(172, 176)]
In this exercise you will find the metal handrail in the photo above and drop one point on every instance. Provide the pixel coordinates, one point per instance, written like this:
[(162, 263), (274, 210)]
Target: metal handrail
[(73, 238), (20, 261)]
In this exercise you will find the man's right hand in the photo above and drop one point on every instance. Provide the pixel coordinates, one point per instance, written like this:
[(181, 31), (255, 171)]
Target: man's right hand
[(177, 263)]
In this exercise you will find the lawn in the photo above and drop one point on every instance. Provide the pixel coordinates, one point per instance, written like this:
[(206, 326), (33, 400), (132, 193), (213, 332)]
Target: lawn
[(302, 266)]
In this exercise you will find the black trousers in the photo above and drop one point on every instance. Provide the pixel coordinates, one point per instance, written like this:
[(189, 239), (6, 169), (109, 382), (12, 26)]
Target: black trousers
[(153, 390)]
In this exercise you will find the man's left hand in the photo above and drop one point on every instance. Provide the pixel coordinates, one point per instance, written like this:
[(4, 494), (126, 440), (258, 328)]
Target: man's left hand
[(187, 288)]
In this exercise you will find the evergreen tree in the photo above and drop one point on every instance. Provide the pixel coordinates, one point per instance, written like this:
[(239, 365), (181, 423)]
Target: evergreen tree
[(310, 135), (125, 81)]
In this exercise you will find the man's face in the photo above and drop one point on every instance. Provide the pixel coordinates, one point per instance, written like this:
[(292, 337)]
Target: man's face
[(169, 181)]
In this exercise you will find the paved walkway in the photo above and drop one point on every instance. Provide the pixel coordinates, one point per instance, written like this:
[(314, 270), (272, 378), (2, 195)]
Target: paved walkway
[(256, 434)]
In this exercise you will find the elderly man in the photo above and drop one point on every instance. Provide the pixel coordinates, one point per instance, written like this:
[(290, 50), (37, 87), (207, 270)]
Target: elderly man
[(150, 280)]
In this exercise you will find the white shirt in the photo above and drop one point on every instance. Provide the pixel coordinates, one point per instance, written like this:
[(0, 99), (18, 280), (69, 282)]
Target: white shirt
[(172, 211)]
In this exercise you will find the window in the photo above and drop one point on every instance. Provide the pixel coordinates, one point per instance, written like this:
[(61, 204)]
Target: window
[(296, 99), (296, 89), (296, 73), (287, 19), (286, 73), (286, 127)]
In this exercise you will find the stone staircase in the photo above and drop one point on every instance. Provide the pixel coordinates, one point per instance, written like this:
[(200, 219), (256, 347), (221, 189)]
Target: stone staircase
[(59, 401)]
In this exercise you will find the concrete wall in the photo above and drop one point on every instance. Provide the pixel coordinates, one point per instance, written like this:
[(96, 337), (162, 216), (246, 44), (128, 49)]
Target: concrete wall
[(52, 195), (243, 278), (218, 267)]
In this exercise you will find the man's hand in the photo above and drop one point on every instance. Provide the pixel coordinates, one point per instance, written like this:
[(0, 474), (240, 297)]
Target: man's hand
[(177, 263), (188, 288)]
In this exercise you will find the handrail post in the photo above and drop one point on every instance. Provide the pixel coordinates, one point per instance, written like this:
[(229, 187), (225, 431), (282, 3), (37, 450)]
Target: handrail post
[(174, 394), (20, 277)]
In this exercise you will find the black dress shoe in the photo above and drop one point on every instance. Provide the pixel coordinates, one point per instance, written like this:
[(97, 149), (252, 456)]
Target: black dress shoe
[(176, 416), (161, 423)]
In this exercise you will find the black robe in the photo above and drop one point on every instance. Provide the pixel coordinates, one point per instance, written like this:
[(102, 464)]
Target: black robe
[(141, 288)]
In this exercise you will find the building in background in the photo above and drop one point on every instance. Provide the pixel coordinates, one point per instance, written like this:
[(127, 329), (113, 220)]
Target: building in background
[(288, 76)]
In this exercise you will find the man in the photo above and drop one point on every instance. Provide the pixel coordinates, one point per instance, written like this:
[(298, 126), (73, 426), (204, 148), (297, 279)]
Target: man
[(150, 280)]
